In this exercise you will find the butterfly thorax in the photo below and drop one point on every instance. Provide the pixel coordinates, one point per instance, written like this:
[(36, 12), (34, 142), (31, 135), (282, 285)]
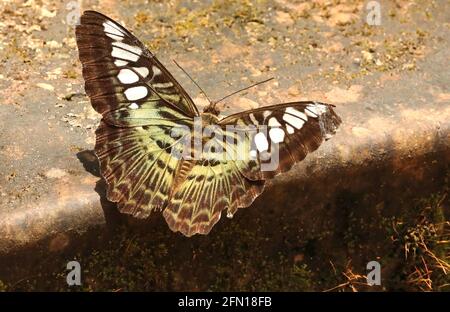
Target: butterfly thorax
[(209, 119)]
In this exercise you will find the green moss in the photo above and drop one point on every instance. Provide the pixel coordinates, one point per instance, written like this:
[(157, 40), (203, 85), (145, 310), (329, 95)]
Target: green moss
[(3, 286), (243, 257)]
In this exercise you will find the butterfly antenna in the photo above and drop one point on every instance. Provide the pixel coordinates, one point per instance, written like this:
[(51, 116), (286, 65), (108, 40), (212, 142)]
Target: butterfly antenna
[(240, 90), (187, 74)]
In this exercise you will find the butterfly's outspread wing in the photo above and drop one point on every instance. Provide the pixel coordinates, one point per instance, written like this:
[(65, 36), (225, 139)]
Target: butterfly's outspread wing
[(140, 103), (284, 135), (232, 175), (119, 71), (204, 189), (137, 165)]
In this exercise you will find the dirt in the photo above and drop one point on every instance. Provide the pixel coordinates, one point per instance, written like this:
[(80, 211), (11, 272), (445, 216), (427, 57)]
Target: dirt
[(318, 50)]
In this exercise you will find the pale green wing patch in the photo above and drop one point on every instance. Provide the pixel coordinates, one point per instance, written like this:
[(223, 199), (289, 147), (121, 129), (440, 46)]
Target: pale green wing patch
[(138, 166), (209, 187), (206, 187)]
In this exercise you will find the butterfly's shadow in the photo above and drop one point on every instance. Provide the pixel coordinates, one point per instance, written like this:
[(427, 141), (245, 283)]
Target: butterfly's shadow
[(90, 163)]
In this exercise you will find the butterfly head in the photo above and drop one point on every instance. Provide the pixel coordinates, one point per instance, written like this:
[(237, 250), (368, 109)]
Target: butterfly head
[(212, 109)]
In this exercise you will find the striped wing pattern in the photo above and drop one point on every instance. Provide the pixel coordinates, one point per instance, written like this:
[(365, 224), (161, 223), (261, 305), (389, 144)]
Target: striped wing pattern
[(296, 128), (122, 75), (207, 187), (137, 164), (141, 103)]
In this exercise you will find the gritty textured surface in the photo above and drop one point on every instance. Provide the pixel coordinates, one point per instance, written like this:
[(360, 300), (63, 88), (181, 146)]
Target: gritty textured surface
[(390, 84)]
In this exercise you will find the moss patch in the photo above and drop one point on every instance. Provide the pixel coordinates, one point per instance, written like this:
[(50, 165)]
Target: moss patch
[(414, 248)]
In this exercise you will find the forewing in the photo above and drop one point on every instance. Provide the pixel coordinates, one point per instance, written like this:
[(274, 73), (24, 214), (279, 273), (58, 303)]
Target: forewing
[(288, 131), (125, 81), (141, 103)]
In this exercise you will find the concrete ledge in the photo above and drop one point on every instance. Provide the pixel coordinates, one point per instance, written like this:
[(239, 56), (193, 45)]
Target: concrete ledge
[(390, 84), (388, 156)]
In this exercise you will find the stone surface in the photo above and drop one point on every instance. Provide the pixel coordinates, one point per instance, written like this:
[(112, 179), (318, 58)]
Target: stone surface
[(394, 101)]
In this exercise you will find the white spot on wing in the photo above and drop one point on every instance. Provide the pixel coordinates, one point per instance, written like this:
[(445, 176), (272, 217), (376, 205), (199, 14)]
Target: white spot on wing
[(253, 119), (273, 122), (136, 93), (310, 113), (322, 108), (276, 135), (156, 71), (289, 129), (294, 121), (130, 48), (253, 153), (133, 106), (293, 111), (127, 76), (261, 142), (266, 114), (315, 110), (120, 63), (109, 27), (119, 53), (143, 71), (115, 37), (163, 85)]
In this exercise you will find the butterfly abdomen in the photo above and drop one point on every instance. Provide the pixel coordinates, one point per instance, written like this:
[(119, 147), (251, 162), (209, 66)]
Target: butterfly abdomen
[(183, 169)]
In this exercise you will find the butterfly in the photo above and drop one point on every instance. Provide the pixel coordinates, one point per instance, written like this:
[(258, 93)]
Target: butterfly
[(141, 104)]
